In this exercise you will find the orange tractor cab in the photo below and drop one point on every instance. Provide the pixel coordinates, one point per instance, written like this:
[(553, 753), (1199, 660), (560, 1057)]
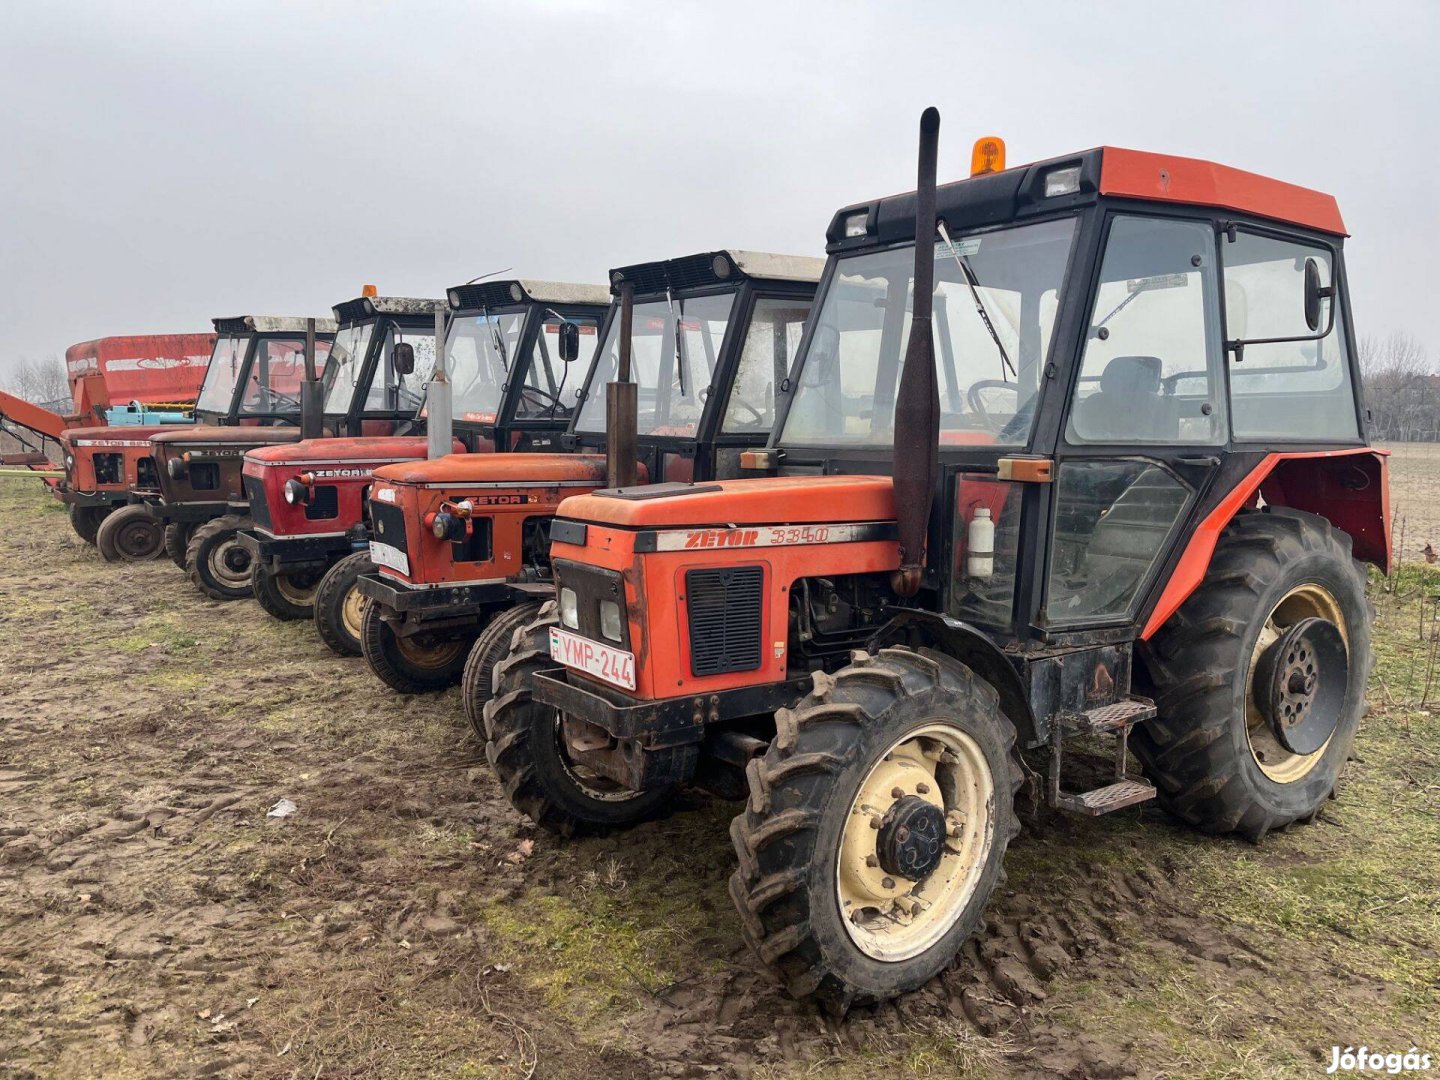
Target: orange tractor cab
[(1088, 461), (461, 542), (310, 538), (122, 469)]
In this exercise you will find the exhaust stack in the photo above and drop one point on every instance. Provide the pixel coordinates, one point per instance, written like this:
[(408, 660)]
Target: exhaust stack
[(312, 403), (917, 401), (439, 414), (622, 405)]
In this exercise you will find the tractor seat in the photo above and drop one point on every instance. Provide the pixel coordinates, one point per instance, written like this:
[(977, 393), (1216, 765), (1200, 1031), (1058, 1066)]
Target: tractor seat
[(1128, 405)]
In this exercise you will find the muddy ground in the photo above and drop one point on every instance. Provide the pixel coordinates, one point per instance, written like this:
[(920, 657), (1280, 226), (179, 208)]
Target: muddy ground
[(405, 922)]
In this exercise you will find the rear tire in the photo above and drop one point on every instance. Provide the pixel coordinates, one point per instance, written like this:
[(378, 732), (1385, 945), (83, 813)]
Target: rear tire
[(86, 521), (830, 822), (287, 597), (339, 607), (523, 745), (407, 665), (491, 647), (217, 564), (130, 534), (177, 540), (1214, 760)]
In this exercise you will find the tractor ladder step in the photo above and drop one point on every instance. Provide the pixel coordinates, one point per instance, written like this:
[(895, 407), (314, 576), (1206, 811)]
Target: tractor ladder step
[(1116, 721)]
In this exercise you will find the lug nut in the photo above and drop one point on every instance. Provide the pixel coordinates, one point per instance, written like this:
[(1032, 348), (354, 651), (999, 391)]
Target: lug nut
[(897, 793), (923, 789), (887, 883), (871, 861)]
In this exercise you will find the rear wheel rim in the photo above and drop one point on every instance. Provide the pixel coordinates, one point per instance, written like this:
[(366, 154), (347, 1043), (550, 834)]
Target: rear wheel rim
[(888, 916), (230, 563), (1307, 601)]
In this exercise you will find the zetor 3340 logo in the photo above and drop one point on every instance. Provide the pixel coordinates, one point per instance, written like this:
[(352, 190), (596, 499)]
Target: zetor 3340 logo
[(719, 538)]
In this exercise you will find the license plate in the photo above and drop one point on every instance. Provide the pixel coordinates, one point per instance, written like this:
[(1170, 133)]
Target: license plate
[(385, 555), (614, 666)]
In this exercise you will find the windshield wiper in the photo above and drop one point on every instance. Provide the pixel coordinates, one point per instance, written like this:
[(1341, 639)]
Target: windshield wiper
[(497, 339), (972, 281), (679, 346)]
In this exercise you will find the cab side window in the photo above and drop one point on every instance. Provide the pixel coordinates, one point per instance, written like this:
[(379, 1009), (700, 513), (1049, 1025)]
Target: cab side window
[(544, 394), (1299, 389), (1151, 367), (771, 341)]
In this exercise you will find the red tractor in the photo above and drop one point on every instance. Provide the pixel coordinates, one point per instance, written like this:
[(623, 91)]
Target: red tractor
[(1089, 460), (310, 539), (461, 542), (249, 407)]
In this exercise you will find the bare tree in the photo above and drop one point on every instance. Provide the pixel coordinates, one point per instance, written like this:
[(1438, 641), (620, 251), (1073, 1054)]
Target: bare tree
[(1402, 389), (42, 381)]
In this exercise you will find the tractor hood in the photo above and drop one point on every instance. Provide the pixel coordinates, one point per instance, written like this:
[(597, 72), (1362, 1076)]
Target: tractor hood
[(785, 500), (229, 436), (316, 451), (118, 435), (462, 469)]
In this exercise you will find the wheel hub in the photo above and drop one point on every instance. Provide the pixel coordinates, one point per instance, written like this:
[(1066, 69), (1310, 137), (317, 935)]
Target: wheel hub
[(1300, 683), (236, 559), (912, 838)]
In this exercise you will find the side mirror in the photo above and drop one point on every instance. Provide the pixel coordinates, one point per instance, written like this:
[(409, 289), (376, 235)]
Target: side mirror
[(402, 358), (569, 342), (1315, 294)]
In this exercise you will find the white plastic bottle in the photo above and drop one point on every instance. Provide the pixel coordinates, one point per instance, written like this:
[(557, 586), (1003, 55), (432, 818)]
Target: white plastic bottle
[(980, 545)]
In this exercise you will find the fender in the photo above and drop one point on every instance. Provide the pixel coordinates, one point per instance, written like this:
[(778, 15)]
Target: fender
[(913, 628), (1354, 498)]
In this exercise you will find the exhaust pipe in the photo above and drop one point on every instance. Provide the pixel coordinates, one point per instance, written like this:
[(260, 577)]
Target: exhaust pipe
[(917, 402), (622, 405), (439, 415), (312, 404)]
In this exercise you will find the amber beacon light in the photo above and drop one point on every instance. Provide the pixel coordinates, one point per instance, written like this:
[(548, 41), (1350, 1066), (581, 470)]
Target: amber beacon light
[(988, 155)]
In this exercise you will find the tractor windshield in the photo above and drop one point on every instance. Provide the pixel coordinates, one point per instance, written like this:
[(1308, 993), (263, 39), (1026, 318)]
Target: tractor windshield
[(223, 373), (481, 352), (673, 370), (996, 296), (395, 393), (347, 361), (273, 384)]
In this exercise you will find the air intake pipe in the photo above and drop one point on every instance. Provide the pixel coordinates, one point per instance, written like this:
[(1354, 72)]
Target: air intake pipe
[(622, 404), (439, 410), (917, 402), (312, 401)]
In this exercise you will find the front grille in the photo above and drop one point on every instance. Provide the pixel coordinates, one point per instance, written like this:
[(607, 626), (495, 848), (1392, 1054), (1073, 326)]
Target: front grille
[(388, 521), (259, 505), (725, 620)]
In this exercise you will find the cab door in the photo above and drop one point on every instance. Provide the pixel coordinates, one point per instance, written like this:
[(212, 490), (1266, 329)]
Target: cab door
[(1144, 423)]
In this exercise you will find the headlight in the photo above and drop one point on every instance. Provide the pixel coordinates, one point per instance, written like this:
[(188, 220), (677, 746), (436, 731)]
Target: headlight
[(610, 621), (176, 468), (570, 609), (1062, 181), (857, 224), (447, 526), (296, 492)]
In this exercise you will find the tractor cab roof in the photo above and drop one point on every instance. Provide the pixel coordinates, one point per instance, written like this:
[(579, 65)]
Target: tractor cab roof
[(370, 307), (270, 324), (498, 294), (714, 269), (1081, 179)]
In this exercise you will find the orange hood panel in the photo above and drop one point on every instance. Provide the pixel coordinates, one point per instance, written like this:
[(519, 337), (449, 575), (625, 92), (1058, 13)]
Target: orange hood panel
[(783, 500), (354, 449), (242, 436), (461, 469)]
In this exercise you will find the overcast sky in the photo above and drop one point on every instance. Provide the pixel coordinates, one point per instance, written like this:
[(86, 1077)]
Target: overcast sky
[(164, 163)]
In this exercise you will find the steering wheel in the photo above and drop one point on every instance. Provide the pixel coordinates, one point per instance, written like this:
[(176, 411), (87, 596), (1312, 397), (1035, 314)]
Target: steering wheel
[(539, 398), (283, 398), (976, 399)]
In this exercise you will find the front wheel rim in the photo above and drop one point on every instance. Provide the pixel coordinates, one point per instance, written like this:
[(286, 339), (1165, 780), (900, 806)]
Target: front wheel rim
[(230, 564), (1305, 601), (352, 612), (294, 592), (890, 917), (429, 656), (137, 540)]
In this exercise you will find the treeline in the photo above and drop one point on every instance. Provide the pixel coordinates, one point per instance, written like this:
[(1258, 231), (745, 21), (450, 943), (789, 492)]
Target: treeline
[(43, 382), (1402, 390)]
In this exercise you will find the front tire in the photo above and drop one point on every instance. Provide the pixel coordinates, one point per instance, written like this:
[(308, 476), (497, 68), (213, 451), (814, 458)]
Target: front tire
[(339, 606), (86, 521), (130, 534), (1216, 760), (525, 747), (410, 665), (287, 597), (216, 562), (177, 540), (491, 647), (876, 827)]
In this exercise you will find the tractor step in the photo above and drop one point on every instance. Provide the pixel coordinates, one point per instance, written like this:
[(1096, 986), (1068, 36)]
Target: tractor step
[(1103, 800), (1115, 721)]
